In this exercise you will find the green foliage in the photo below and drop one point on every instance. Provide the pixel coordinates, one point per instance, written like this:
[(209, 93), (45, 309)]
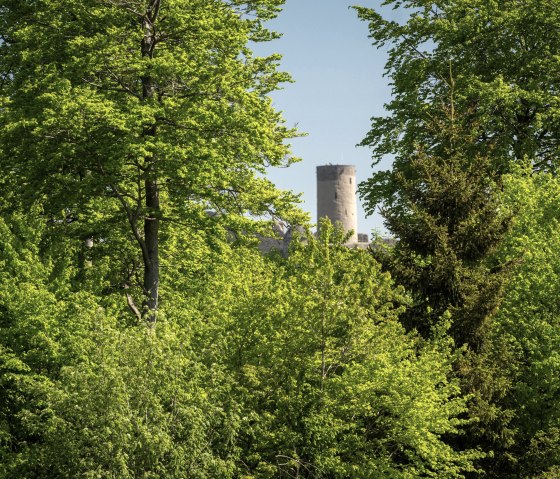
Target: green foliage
[(118, 115), (461, 114), (85, 395), (499, 58), (261, 367), (449, 221), (439, 198), (474, 93), (258, 368), (332, 385), (528, 319)]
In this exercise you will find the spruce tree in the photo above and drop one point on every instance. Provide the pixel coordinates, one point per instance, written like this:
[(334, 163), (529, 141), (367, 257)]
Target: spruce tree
[(445, 212), (448, 221)]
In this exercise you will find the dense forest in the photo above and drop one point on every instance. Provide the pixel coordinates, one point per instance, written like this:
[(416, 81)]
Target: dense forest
[(143, 335)]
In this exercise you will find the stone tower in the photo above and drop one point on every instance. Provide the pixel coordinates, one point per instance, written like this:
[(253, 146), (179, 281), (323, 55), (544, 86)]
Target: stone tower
[(336, 196)]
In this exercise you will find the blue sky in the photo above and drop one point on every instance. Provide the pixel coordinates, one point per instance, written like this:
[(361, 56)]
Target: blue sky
[(339, 86)]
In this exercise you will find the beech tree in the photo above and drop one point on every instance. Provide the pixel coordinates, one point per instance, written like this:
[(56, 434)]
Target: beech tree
[(498, 57), (120, 115), (528, 321), (265, 367), (84, 394), (330, 383)]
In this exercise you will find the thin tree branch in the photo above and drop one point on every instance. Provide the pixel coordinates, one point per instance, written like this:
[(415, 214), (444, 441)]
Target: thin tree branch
[(132, 306)]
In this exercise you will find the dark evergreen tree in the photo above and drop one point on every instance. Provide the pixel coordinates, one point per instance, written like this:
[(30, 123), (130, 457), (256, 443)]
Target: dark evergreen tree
[(443, 206), (443, 209)]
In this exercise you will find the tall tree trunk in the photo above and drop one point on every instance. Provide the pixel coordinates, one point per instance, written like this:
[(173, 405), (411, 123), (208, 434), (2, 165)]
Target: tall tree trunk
[(151, 220), (151, 236)]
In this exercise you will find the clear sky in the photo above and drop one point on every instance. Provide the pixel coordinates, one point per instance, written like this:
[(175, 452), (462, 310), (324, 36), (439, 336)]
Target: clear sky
[(339, 86)]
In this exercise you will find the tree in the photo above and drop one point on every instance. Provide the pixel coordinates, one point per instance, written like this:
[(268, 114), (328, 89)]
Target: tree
[(122, 115), (331, 385), (447, 217), (458, 120), (528, 321), (449, 221), (496, 56), (265, 367), (85, 394)]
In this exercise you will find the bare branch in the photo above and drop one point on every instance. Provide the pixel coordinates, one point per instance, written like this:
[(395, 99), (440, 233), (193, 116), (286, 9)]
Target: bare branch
[(133, 307)]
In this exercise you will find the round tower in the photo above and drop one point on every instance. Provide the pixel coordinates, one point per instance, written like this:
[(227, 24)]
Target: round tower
[(336, 197)]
